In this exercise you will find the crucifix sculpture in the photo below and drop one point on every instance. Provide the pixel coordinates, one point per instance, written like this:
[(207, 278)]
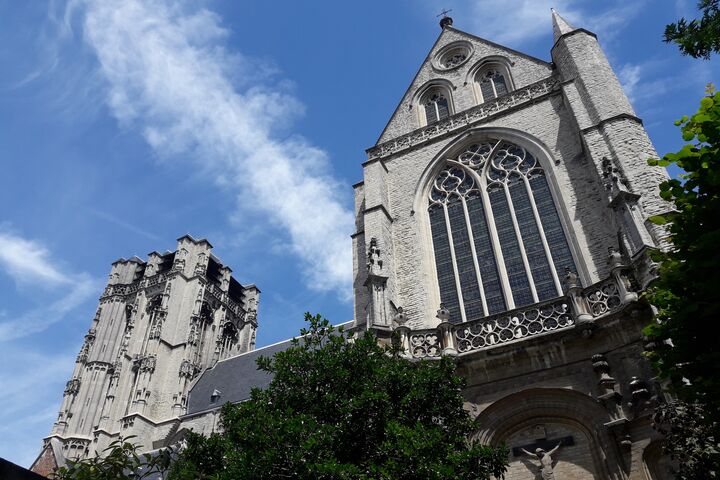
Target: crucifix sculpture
[(545, 456)]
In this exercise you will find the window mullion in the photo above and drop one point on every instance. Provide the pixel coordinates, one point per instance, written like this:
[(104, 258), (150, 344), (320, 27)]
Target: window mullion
[(454, 265), (497, 249), (546, 247), (492, 84), (471, 239), (521, 244)]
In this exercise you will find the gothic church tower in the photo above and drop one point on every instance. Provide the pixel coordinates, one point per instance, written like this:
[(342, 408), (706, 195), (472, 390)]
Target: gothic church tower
[(503, 220), (160, 323)]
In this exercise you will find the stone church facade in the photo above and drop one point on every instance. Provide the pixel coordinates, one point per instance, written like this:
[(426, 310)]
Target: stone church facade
[(502, 220)]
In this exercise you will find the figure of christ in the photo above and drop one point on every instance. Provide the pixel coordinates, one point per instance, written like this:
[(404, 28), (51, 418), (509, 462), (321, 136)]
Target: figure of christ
[(546, 461)]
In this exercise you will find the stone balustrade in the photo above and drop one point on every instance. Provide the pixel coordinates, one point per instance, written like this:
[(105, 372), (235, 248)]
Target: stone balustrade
[(467, 117)]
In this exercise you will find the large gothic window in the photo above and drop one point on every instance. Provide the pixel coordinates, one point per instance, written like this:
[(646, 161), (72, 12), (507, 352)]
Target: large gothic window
[(436, 106), (497, 236)]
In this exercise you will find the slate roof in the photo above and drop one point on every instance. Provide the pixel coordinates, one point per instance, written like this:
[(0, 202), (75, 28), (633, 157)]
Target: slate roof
[(233, 377)]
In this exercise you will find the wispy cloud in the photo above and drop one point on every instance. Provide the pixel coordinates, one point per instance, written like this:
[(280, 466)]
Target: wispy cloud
[(517, 22), (629, 76), (122, 223), (168, 73), (28, 261)]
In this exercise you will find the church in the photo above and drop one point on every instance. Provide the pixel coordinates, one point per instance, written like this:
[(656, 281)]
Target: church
[(502, 220)]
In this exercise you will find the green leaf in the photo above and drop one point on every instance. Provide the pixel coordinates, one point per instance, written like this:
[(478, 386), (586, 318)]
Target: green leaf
[(657, 219)]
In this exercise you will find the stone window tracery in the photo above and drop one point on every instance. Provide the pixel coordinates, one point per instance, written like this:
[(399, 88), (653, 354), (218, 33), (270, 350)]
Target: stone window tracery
[(497, 237), (492, 82), (436, 106)]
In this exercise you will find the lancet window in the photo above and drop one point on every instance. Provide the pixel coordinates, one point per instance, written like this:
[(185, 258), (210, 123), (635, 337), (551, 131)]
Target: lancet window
[(497, 236), (436, 106), (492, 83), (228, 339)]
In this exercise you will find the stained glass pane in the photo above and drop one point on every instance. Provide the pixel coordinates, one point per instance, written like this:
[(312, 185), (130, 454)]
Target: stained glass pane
[(465, 263), (485, 256), (443, 261), (487, 90), (517, 276), (442, 107), (534, 250), (430, 113), (500, 86), (554, 234)]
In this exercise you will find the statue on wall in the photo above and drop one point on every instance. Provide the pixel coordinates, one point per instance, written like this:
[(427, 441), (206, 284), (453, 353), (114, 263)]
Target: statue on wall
[(546, 461)]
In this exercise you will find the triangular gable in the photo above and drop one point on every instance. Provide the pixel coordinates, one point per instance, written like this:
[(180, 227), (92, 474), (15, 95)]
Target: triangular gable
[(404, 119)]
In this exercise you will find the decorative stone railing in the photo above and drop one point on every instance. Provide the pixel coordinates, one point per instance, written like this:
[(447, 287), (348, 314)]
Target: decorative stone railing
[(580, 306), (514, 325), (425, 343), (463, 119), (122, 289)]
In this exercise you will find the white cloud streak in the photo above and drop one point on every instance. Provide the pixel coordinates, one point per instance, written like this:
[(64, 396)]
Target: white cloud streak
[(169, 73), (517, 22), (28, 262)]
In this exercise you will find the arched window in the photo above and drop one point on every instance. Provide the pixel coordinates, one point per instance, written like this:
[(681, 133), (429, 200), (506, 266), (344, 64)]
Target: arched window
[(493, 83), (497, 236), (436, 106)]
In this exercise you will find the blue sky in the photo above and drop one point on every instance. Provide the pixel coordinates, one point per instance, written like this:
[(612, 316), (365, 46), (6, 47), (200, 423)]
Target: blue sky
[(124, 125)]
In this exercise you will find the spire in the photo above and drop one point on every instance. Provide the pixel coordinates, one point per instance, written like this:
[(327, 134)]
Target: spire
[(560, 25)]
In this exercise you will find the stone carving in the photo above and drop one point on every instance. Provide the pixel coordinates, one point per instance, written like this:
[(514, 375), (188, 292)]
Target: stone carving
[(400, 317), (156, 324), (463, 119), (72, 387), (614, 258), (147, 363), (603, 297), (180, 257), (374, 262), (188, 369), (424, 344), (201, 264), (612, 177), (546, 461), (443, 314), (514, 325), (571, 279)]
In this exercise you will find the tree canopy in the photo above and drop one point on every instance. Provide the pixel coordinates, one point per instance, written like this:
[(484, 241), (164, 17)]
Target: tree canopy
[(345, 408), (686, 292), (697, 38), (684, 348)]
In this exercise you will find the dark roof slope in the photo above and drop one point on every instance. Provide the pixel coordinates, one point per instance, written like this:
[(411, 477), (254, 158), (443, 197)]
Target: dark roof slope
[(233, 377)]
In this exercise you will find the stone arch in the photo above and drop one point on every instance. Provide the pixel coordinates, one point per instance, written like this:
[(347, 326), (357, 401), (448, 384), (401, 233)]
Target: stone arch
[(556, 413), (500, 63), (440, 85)]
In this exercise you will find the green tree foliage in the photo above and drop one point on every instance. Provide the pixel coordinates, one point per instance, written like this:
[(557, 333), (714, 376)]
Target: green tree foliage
[(120, 461), (339, 409), (698, 38), (686, 292), (691, 439)]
